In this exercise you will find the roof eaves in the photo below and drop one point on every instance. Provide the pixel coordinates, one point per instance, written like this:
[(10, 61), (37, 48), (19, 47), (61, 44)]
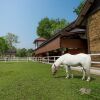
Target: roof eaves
[(56, 35), (74, 24), (81, 16), (84, 11), (47, 41)]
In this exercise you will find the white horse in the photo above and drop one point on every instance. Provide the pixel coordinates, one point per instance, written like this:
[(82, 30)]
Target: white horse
[(83, 60)]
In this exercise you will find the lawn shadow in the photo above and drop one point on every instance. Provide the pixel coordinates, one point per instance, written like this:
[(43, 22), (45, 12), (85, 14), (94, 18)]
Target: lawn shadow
[(80, 77), (75, 77), (92, 78), (63, 76)]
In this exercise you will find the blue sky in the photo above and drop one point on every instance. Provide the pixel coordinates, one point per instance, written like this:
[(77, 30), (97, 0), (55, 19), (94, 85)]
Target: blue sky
[(21, 17)]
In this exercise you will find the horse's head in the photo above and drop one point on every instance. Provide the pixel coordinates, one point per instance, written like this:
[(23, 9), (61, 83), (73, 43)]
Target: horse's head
[(54, 69)]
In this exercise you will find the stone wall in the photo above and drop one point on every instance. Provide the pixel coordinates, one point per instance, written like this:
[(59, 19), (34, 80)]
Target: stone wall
[(93, 31)]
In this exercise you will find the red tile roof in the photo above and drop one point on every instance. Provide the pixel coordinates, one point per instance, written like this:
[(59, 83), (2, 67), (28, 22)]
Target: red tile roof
[(40, 39)]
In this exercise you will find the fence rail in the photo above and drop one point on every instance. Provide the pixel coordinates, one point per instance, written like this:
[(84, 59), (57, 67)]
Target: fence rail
[(15, 59), (47, 59), (51, 59), (95, 62)]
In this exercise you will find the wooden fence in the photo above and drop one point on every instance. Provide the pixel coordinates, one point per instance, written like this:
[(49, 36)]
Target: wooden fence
[(51, 59), (15, 59), (47, 59)]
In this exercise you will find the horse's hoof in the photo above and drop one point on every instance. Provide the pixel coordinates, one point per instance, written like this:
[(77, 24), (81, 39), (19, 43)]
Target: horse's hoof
[(67, 77), (88, 80)]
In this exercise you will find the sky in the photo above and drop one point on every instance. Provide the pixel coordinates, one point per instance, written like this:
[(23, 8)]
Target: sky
[(21, 17)]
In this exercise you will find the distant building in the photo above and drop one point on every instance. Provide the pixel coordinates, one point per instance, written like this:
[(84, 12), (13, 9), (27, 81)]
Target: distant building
[(10, 53), (38, 42)]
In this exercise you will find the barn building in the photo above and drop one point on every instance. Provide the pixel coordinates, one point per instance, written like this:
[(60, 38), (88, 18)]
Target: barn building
[(82, 35)]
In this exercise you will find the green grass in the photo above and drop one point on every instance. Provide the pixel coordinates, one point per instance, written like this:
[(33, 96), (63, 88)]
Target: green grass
[(33, 81)]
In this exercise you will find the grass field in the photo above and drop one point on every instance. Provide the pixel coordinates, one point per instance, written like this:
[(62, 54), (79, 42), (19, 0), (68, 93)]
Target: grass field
[(33, 81)]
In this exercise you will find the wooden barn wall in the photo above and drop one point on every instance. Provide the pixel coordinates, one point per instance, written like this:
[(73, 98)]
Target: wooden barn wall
[(73, 43), (52, 45)]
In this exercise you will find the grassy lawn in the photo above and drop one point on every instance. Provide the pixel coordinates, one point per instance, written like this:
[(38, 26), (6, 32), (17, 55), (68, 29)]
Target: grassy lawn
[(33, 81)]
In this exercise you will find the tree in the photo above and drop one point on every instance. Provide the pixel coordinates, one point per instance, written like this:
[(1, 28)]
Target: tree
[(29, 52), (58, 25), (22, 52), (11, 39), (48, 27), (78, 9), (3, 46)]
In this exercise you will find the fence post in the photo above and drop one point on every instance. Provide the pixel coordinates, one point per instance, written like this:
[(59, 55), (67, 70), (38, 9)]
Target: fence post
[(5, 60), (27, 59), (54, 59), (48, 59)]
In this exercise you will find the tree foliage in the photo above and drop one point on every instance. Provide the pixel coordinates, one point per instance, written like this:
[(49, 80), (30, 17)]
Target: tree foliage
[(48, 27), (11, 39), (24, 52), (3, 46), (7, 43), (78, 9), (29, 52), (21, 52)]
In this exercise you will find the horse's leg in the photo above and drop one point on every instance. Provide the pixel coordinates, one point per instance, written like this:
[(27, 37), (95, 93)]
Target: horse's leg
[(84, 74), (88, 74), (70, 71), (86, 71), (67, 71), (87, 67)]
